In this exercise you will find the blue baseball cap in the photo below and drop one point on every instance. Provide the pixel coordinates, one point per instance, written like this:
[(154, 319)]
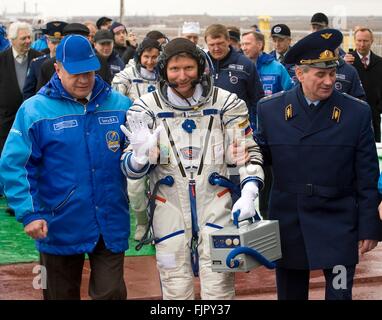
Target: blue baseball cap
[(77, 55)]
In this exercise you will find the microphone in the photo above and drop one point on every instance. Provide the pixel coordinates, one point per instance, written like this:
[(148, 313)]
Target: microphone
[(175, 85), (195, 82)]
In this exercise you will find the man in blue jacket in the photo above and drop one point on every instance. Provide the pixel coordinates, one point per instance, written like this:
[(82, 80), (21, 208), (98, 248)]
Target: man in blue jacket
[(60, 172), (274, 78), (281, 38), (273, 75), (348, 81), (232, 70), (325, 166)]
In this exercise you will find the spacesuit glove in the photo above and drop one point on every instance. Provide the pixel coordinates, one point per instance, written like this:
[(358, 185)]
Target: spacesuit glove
[(246, 203), (140, 138)]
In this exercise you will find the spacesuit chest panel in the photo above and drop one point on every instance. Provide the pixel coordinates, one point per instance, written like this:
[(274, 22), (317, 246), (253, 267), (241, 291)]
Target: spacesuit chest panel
[(192, 141)]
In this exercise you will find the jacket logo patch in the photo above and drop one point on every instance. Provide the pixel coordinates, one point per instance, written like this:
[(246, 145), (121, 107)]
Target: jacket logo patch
[(238, 67), (338, 86), (268, 89), (190, 153), (108, 120), (234, 79), (65, 125), (340, 76), (112, 140)]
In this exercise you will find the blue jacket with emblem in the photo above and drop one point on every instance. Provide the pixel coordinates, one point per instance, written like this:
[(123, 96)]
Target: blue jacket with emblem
[(115, 63), (273, 75), (237, 74), (348, 81), (290, 68), (325, 170), (60, 163)]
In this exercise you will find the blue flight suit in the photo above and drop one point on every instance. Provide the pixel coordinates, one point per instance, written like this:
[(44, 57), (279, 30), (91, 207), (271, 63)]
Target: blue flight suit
[(30, 84), (237, 74), (4, 42), (291, 68), (273, 74), (40, 44), (348, 80), (325, 168)]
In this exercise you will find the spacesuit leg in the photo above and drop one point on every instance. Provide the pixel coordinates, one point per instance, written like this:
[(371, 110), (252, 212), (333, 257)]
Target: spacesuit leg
[(173, 263), (138, 204)]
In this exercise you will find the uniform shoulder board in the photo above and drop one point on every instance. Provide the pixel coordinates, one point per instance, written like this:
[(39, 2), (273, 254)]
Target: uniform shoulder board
[(272, 96), (348, 96)]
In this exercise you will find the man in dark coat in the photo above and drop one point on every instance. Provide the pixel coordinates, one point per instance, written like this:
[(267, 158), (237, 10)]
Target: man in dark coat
[(321, 147), (369, 67), (14, 63)]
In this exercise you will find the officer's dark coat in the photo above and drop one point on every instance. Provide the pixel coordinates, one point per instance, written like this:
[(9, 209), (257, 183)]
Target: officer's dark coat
[(325, 177), (30, 86)]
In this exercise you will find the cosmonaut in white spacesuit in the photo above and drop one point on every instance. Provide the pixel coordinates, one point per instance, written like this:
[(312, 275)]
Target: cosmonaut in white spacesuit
[(180, 136), (139, 76)]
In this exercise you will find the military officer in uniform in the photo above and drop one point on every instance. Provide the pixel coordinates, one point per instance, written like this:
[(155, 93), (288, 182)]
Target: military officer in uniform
[(321, 147), (54, 34)]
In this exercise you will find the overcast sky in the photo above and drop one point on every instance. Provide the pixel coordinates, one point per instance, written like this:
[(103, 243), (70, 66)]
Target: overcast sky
[(211, 7)]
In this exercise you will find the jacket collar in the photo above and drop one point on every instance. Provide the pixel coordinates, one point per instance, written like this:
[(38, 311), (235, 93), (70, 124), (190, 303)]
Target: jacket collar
[(54, 89), (322, 120)]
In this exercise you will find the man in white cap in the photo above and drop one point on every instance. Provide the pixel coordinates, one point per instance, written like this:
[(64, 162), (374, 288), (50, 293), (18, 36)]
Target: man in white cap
[(191, 31)]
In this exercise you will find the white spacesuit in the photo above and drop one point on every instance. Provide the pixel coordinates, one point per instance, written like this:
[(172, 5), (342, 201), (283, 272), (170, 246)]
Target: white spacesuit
[(130, 81), (193, 139), (137, 78)]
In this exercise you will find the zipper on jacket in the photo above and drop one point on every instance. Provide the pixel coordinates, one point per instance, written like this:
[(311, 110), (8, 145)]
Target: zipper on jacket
[(63, 202)]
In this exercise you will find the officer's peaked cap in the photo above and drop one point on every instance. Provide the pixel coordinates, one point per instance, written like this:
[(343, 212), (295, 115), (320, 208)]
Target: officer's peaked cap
[(316, 50)]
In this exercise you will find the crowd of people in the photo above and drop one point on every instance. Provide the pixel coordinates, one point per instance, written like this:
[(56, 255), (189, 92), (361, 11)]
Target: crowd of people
[(96, 126)]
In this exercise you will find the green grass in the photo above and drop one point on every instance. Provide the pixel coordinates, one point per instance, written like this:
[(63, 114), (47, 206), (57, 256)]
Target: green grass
[(16, 246)]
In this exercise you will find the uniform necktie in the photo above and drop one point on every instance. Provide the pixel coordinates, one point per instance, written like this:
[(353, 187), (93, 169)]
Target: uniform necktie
[(312, 106), (364, 61), (281, 58)]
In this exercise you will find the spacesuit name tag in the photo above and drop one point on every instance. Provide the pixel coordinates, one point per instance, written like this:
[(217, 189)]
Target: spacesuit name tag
[(193, 114)]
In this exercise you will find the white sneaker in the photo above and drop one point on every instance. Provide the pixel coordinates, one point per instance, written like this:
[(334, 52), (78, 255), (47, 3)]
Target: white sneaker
[(140, 231)]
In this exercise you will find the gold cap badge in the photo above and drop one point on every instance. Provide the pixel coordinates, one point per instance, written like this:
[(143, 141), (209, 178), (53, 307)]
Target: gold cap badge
[(326, 36)]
